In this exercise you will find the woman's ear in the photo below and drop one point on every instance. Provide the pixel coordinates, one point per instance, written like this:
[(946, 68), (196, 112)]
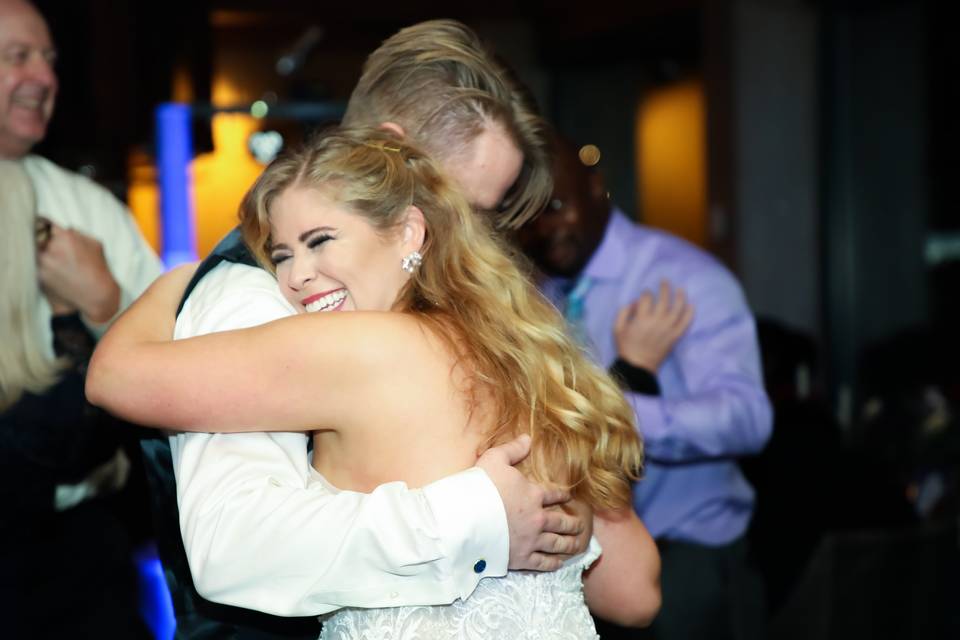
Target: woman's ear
[(413, 230)]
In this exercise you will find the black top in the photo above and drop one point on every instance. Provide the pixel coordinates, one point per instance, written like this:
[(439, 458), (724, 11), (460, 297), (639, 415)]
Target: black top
[(65, 573), (231, 249)]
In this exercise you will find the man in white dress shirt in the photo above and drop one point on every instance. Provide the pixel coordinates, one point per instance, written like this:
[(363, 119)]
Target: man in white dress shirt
[(257, 532)]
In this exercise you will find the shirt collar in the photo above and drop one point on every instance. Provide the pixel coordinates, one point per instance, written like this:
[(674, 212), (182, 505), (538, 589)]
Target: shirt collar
[(610, 259)]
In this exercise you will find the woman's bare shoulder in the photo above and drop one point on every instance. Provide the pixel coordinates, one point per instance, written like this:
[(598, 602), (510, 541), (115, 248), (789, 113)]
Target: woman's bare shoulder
[(369, 337)]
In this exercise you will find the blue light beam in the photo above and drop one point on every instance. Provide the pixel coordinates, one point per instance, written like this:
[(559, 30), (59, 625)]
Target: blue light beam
[(174, 152)]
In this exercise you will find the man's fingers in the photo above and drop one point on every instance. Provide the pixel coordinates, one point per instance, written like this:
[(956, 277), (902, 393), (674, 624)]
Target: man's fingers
[(621, 320), (544, 562), (644, 303), (555, 496), (551, 543), (679, 301), (680, 306), (56, 229), (511, 452), (661, 304), (58, 235), (624, 317), (560, 522), (664, 297), (682, 313)]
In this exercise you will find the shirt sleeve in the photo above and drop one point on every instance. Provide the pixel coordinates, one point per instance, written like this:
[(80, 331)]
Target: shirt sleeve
[(132, 262), (77, 202), (261, 533), (722, 410)]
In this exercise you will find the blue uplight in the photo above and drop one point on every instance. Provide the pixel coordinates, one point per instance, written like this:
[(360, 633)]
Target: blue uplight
[(174, 153), (156, 605)]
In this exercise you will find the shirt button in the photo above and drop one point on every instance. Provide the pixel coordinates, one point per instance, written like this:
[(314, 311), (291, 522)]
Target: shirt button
[(274, 482), (394, 594), (480, 566)]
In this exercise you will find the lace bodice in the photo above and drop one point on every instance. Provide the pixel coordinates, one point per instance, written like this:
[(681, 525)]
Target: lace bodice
[(521, 605)]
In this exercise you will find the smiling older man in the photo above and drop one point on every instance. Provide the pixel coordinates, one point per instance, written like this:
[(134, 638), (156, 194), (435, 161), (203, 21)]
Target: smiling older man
[(96, 262)]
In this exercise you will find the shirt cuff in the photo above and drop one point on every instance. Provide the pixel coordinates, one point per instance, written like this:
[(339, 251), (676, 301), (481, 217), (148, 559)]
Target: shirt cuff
[(637, 379), (472, 523)]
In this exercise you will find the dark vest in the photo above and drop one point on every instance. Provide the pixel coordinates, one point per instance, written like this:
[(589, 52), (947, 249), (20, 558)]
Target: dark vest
[(230, 249)]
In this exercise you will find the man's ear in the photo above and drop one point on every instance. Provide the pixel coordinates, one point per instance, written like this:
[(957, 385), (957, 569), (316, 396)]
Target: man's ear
[(393, 128), (414, 229)]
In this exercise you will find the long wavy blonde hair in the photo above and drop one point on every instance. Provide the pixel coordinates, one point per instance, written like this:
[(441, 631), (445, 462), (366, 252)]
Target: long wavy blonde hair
[(471, 291), (444, 87), (24, 364)]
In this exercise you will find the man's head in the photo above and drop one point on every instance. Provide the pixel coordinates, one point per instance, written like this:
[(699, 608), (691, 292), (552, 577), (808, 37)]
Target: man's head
[(437, 84), (562, 239), (28, 84)]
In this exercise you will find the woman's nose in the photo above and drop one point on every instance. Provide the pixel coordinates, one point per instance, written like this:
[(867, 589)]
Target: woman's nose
[(301, 272)]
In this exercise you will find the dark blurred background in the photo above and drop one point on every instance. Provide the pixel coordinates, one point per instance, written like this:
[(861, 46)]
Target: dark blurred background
[(810, 145)]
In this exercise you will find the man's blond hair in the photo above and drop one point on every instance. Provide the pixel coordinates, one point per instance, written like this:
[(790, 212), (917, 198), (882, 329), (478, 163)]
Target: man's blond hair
[(444, 87)]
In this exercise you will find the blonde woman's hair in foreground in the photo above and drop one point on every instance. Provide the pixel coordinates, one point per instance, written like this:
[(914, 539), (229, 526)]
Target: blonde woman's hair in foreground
[(438, 81), (470, 291), (24, 364)]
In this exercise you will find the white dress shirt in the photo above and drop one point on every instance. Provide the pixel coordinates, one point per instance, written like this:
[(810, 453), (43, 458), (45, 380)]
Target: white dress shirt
[(260, 534), (75, 202)]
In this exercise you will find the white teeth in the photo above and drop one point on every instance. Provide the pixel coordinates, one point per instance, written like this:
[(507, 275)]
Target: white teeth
[(31, 102), (327, 302)]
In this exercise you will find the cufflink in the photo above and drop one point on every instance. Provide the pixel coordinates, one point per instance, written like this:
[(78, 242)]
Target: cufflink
[(480, 566)]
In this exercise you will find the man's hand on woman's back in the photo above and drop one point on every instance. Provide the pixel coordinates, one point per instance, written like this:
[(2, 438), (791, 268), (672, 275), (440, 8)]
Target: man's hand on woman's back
[(542, 536)]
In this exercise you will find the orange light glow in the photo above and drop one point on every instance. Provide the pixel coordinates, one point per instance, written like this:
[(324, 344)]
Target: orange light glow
[(671, 160), (218, 179)]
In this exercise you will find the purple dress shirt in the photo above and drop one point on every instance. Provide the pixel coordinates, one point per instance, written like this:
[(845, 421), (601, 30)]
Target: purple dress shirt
[(712, 406)]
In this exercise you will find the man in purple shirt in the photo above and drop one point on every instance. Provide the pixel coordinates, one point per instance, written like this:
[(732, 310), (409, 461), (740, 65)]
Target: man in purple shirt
[(697, 390)]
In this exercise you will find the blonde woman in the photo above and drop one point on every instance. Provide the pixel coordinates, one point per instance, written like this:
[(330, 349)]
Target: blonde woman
[(60, 539), (449, 350)]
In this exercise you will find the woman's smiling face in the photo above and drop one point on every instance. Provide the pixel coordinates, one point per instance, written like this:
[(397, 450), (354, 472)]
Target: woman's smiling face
[(329, 258)]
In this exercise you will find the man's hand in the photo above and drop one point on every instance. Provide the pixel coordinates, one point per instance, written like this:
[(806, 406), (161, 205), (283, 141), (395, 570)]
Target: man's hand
[(647, 329), (58, 306), (541, 538), (74, 273)]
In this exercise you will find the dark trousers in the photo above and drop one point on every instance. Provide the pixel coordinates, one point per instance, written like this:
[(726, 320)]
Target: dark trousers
[(709, 593)]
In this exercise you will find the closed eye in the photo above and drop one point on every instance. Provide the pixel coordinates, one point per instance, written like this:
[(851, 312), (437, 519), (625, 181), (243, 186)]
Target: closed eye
[(277, 258), (317, 240)]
